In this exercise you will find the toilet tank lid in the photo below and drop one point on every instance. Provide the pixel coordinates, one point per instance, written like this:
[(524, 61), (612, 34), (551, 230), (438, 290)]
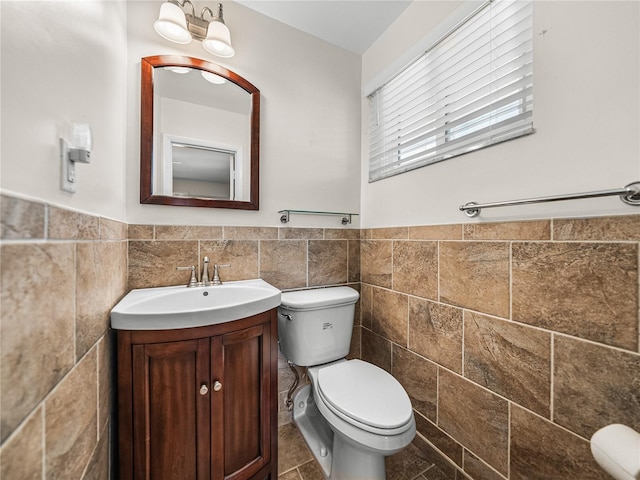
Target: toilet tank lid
[(319, 298)]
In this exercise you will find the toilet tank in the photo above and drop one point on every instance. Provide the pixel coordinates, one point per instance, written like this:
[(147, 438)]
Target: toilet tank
[(315, 326)]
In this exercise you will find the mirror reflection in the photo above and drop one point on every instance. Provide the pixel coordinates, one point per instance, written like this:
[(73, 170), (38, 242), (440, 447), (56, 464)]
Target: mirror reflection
[(204, 135), (200, 171)]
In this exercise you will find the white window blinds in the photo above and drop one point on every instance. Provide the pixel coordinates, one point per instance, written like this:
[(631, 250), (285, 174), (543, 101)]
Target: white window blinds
[(471, 89)]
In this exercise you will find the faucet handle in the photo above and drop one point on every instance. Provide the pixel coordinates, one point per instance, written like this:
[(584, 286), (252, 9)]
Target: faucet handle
[(193, 281), (216, 277)]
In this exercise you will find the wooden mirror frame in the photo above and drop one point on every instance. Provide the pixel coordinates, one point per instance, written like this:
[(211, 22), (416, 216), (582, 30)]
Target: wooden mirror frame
[(147, 65)]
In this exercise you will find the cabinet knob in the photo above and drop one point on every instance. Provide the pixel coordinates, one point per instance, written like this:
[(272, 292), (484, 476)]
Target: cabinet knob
[(217, 386), (204, 389)]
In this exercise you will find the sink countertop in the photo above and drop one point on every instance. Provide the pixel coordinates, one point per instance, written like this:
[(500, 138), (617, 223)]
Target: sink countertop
[(168, 308)]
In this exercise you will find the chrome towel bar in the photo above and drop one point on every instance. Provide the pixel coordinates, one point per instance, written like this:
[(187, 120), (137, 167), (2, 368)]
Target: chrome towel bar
[(346, 217), (629, 195)]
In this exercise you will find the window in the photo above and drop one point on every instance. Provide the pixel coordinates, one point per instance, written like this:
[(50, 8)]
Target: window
[(471, 89)]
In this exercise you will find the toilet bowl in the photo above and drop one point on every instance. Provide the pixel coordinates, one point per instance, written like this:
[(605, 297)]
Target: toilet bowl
[(364, 404), (353, 414)]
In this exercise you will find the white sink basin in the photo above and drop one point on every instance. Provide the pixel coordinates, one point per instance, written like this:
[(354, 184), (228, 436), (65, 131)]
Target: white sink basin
[(167, 308)]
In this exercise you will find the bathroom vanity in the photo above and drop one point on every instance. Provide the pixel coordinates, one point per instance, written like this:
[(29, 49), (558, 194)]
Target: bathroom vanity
[(198, 401)]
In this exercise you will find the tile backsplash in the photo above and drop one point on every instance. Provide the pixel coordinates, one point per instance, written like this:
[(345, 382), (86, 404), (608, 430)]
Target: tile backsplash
[(515, 341), (288, 258)]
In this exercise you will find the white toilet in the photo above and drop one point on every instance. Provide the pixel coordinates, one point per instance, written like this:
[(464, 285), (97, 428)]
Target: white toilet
[(353, 414)]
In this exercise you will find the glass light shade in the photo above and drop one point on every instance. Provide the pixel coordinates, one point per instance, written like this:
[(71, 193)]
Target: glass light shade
[(218, 40), (179, 70), (213, 78), (172, 24)]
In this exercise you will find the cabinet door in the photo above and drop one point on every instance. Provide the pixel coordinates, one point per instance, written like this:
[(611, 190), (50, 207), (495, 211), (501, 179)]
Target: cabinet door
[(244, 445), (171, 408)]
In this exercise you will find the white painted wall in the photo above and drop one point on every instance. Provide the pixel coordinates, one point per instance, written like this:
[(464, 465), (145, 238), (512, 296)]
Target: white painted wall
[(586, 116), (79, 61), (310, 122), (64, 62)]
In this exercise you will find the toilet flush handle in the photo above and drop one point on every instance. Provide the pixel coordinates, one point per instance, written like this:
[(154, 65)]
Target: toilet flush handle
[(287, 316)]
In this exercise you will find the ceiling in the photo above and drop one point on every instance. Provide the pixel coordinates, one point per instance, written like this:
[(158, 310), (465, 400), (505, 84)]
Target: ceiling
[(351, 24)]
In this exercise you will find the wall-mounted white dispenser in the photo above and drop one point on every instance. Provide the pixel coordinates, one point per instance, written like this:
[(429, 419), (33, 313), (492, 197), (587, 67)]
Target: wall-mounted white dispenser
[(78, 149), (616, 448)]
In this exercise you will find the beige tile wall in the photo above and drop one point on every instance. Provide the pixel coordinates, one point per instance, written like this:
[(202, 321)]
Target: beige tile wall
[(288, 258), (515, 341), (61, 272)]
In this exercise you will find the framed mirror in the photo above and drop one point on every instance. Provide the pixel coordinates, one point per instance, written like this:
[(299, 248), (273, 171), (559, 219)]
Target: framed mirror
[(199, 135)]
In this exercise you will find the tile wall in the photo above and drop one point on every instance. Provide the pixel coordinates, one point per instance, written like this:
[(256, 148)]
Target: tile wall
[(61, 272), (287, 258), (515, 341)]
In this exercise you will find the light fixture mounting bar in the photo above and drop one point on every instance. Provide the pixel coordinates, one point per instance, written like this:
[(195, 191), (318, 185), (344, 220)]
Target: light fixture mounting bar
[(197, 26)]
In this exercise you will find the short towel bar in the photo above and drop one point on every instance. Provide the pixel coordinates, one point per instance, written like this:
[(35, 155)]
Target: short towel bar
[(629, 195), (346, 217)]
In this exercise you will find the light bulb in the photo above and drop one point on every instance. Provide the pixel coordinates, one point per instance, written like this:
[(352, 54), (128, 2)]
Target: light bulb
[(217, 45)]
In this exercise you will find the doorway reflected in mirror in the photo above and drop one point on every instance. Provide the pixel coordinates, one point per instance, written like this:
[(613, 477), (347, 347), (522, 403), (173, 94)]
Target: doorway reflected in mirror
[(195, 168)]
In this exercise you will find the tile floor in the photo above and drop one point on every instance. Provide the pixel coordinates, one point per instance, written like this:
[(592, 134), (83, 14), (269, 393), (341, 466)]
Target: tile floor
[(416, 462)]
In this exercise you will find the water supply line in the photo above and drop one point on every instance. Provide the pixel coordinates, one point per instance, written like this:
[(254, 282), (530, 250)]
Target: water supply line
[(289, 401)]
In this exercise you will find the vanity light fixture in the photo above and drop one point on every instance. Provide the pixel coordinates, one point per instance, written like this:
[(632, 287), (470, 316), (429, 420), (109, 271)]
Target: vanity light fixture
[(177, 26), (179, 70), (213, 78), (208, 76)]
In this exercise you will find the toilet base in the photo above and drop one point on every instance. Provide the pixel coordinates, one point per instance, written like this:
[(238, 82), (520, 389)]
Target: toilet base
[(314, 429), (338, 459), (352, 464)]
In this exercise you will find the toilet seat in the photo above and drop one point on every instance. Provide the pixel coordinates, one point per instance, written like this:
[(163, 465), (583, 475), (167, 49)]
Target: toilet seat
[(365, 396)]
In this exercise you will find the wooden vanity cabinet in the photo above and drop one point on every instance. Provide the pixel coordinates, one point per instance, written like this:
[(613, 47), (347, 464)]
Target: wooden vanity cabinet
[(199, 403)]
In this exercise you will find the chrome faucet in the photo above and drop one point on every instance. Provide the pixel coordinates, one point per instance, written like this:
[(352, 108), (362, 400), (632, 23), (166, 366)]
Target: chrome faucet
[(216, 277), (205, 273)]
